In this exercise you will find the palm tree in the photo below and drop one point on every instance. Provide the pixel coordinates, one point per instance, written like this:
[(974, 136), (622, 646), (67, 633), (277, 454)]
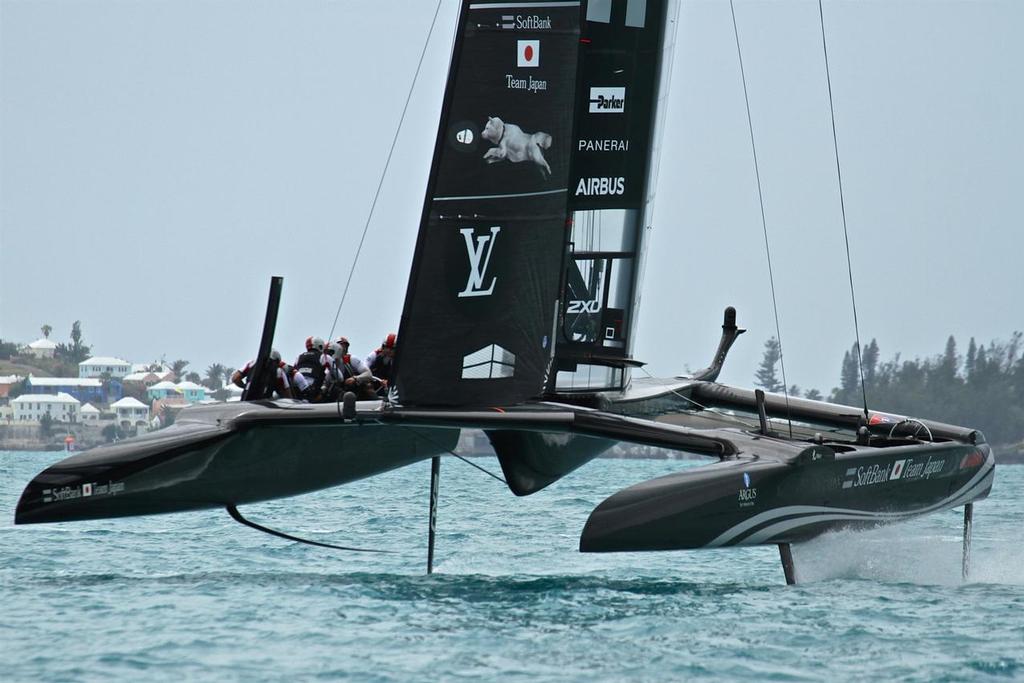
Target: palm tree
[(178, 368), (46, 329), (215, 376)]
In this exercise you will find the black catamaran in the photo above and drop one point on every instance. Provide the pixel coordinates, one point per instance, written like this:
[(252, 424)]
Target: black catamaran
[(519, 319)]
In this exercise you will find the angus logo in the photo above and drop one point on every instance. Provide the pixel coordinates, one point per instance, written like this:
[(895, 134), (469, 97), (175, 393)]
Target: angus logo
[(479, 249), (607, 100)]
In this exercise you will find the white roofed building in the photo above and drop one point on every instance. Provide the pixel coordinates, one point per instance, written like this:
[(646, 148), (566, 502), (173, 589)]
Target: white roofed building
[(131, 412), (89, 414), (193, 393), (97, 365), (161, 390), (31, 407), (148, 379), (42, 348)]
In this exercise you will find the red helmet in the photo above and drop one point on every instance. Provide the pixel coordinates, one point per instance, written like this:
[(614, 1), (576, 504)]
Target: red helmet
[(389, 341)]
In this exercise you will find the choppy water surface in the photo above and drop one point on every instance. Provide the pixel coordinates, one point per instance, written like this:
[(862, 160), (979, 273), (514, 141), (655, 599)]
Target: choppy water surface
[(198, 596)]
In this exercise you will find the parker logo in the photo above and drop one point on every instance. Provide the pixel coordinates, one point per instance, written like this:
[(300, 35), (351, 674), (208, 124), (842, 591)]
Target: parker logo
[(607, 100), (600, 187), (528, 53), (479, 249)]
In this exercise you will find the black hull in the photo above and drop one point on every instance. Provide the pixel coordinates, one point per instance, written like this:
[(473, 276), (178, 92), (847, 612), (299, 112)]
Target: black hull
[(242, 453), (197, 464), (751, 501)]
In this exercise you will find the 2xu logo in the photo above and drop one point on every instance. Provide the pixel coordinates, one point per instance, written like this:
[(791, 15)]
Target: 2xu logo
[(479, 249), (580, 306)]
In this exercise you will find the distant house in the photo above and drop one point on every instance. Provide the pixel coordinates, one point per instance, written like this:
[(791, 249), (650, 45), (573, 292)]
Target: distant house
[(89, 414), (162, 390), (97, 365), (6, 382), (83, 389), (42, 348), (193, 393), (31, 407), (189, 391), (147, 379), (131, 412)]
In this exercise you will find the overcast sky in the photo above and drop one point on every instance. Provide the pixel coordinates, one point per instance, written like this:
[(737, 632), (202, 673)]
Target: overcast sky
[(160, 160)]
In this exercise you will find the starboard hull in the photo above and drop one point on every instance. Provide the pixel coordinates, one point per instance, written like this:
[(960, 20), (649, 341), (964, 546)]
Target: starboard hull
[(751, 501)]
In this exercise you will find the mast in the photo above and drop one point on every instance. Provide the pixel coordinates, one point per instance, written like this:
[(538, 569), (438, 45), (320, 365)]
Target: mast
[(625, 68)]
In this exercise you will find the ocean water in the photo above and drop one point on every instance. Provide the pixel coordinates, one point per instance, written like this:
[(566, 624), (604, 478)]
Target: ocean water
[(197, 596)]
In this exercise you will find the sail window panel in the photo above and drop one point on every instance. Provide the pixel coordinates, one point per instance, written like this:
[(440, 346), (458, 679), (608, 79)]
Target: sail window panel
[(490, 362), (599, 292), (590, 378), (605, 230), (618, 302)]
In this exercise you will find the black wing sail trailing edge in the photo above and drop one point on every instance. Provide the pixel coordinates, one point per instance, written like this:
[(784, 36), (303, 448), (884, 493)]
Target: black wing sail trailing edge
[(480, 309), (625, 65)]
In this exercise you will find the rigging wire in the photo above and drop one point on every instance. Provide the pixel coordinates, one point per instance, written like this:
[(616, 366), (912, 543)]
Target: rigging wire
[(387, 163), (449, 451), (764, 223), (698, 404), (842, 206)]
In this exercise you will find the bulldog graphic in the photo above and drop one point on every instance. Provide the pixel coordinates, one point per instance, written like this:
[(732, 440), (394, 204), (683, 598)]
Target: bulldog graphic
[(515, 145)]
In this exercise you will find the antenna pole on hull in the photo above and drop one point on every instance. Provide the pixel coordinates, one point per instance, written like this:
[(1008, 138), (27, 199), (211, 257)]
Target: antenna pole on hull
[(260, 379), (435, 482), (968, 526)]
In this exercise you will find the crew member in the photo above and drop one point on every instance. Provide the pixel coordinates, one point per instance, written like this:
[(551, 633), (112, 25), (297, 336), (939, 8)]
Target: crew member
[(240, 378), (331, 390), (312, 369), (302, 388), (354, 373), (382, 361)]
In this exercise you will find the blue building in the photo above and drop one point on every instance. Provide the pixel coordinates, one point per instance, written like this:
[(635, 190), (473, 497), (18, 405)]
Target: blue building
[(85, 389)]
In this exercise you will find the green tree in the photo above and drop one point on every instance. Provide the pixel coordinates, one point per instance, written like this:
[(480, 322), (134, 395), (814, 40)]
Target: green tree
[(75, 352), (178, 367), (214, 376), (7, 349), (193, 377), (46, 425), (112, 432), (18, 389), (765, 376), (813, 395), (46, 330)]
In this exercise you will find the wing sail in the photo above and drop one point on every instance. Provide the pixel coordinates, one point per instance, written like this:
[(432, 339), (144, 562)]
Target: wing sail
[(483, 293)]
